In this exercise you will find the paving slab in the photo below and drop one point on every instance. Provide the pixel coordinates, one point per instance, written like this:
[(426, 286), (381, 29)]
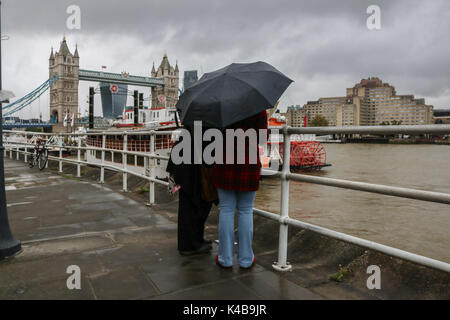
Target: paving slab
[(49, 290), (48, 269), (122, 283), (228, 289), (172, 273), (270, 286)]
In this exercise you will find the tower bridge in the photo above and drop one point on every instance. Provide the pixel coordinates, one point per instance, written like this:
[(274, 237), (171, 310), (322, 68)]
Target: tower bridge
[(64, 92), (65, 75)]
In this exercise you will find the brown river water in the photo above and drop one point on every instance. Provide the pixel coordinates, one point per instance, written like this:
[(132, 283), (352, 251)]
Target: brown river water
[(416, 226)]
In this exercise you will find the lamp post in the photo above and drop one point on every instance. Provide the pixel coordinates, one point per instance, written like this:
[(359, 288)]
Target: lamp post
[(8, 245)]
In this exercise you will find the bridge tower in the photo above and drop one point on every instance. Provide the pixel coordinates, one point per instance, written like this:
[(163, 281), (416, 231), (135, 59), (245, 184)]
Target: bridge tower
[(64, 92), (171, 79)]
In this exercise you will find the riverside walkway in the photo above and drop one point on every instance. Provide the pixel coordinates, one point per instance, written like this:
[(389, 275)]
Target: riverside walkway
[(125, 250)]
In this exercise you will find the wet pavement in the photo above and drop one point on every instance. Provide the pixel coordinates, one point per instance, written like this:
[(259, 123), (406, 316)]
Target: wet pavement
[(125, 250)]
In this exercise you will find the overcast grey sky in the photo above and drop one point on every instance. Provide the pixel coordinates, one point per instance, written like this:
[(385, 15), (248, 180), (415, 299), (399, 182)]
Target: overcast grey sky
[(323, 45)]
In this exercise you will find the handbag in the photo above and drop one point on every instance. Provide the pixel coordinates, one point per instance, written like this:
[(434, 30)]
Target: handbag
[(173, 187), (208, 190)]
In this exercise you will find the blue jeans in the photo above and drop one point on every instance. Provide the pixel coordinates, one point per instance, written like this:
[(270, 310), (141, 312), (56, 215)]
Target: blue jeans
[(228, 201)]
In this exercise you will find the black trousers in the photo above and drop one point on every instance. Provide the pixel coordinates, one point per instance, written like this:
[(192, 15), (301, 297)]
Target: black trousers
[(192, 216)]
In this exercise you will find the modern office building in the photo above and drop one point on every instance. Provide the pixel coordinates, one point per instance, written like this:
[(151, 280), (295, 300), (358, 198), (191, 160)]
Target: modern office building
[(190, 77), (113, 103), (370, 102)]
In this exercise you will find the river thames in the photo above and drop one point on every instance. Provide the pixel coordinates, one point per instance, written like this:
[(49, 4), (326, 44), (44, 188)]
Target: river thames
[(416, 226)]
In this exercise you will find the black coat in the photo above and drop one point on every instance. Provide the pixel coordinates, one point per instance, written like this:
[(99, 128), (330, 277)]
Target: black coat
[(188, 176)]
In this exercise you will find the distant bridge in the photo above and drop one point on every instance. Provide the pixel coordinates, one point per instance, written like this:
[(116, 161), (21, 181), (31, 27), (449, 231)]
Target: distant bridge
[(119, 78), (86, 75), (26, 100)]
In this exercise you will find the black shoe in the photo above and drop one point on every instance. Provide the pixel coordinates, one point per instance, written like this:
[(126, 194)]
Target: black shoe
[(204, 248), (207, 241), (187, 253)]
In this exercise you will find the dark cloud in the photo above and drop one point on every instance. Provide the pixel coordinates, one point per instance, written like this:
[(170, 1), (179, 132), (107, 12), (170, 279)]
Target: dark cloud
[(323, 45)]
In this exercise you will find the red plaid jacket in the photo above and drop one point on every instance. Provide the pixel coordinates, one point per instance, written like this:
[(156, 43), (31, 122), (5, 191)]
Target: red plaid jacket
[(241, 177)]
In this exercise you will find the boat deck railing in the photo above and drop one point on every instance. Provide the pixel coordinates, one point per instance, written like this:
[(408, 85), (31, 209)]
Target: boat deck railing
[(26, 143)]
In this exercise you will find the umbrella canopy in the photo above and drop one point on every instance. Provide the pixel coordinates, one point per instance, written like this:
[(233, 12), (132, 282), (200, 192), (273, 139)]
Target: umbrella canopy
[(231, 94)]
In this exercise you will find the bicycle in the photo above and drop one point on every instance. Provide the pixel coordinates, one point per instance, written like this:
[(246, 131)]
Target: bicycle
[(39, 156)]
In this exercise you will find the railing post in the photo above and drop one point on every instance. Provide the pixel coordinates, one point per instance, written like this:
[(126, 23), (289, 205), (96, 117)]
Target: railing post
[(25, 150), (17, 153), (282, 264), (102, 170), (48, 141), (79, 157), (146, 168), (151, 163), (124, 162), (60, 154)]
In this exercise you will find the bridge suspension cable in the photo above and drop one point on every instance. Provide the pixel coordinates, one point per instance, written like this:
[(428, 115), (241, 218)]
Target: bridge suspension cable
[(28, 99)]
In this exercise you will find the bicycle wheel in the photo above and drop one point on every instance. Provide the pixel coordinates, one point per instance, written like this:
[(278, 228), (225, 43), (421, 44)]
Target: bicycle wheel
[(32, 161), (43, 158)]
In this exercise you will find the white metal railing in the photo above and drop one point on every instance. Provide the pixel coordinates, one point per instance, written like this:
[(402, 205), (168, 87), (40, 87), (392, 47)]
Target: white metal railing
[(22, 141), (285, 175)]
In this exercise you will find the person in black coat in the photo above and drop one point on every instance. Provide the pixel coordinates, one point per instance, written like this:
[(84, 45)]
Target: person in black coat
[(192, 209)]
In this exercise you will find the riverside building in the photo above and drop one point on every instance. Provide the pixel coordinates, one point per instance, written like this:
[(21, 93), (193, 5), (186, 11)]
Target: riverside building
[(441, 116), (370, 102), (294, 116)]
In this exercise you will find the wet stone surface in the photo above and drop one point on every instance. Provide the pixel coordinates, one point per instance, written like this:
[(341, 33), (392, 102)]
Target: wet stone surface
[(125, 250)]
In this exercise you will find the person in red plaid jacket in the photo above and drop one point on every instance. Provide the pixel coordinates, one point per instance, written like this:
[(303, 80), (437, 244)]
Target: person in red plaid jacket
[(237, 185)]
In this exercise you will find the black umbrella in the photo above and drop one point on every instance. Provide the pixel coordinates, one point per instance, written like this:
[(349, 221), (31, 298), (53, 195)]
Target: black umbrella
[(231, 94)]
